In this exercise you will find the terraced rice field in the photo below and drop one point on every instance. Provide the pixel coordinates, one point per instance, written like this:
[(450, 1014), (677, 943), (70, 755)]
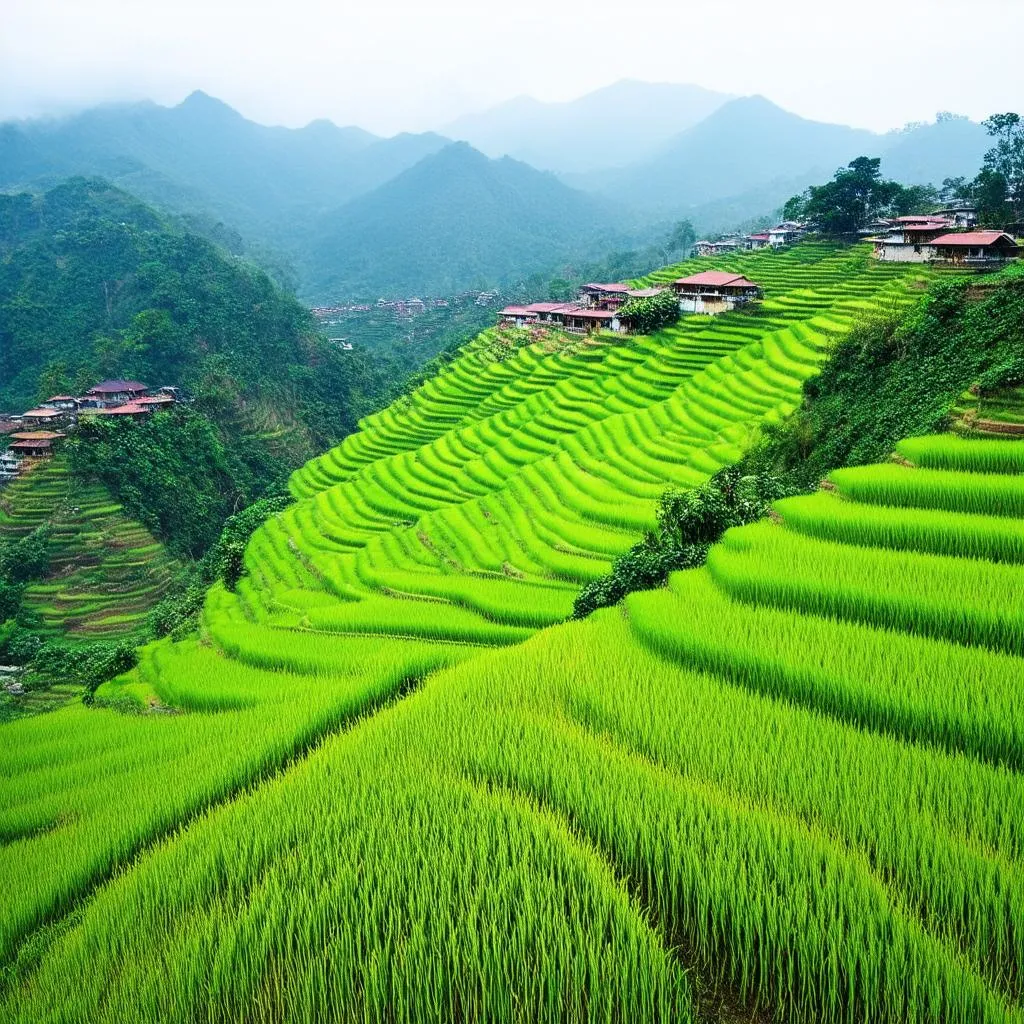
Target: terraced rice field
[(775, 791), (106, 572)]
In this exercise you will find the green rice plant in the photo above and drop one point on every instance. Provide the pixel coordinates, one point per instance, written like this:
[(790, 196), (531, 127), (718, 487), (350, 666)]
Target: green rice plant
[(947, 451), (955, 599), (821, 515), (989, 494)]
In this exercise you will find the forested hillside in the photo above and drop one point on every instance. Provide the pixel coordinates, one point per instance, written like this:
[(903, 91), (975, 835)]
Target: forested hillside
[(453, 221)]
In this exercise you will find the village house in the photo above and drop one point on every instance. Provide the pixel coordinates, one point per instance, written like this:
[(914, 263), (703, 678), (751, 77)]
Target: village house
[(786, 233), (977, 249), (162, 401), (715, 291), (578, 320), (719, 248), (109, 394), (759, 241), (43, 417), (906, 240), (34, 444), (65, 403), (958, 215), (10, 466)]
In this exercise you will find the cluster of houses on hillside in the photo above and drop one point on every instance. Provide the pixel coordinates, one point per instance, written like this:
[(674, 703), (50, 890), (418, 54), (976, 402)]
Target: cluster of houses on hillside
[(947, 237), (36, 433), (786, 233), (599, 307)]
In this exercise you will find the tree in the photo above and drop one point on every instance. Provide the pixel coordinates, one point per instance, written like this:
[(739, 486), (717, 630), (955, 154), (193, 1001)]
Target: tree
[(1006, 157), (856, 194), (682, 237), (645, 316)]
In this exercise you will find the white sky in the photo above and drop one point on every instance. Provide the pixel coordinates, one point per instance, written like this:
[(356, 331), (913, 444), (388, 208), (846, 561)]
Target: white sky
[(392, 65)]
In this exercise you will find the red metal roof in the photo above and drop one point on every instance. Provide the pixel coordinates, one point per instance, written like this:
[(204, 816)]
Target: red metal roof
[(592, 314), (42, 414), (509, 311), (972, 238), (759, 237), (26, 445), (128, 409), (112, 387), (718, 279), (548, 307), (37, 435), (617, 289)]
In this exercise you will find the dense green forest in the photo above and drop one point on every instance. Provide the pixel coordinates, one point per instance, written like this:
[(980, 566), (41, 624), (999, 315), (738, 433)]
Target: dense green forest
[(95, 284)]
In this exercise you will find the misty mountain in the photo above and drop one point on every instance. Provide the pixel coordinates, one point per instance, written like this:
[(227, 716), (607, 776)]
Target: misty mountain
[(612, 127), (453, 221), (202, 156), (750, 155)]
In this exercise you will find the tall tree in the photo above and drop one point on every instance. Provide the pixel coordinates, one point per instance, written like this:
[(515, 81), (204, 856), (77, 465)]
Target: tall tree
[(856, 194), (1006, 160)]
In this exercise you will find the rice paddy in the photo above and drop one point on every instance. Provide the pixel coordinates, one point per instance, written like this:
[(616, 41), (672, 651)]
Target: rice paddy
[(398, 786)]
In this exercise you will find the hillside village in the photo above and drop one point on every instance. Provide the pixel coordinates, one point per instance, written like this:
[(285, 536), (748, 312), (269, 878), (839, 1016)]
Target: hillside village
[(948, 239), (37, 433)]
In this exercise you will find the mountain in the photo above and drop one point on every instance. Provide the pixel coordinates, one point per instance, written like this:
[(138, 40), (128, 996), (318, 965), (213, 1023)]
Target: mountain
[(950, 147), (751, 155), (202, 156), (611, 127), (455, 220), (744, 145)]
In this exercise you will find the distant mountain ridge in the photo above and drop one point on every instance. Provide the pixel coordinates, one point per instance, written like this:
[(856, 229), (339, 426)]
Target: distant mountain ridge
[(611, 127), (752, 146), (203, 156), (341, 206)]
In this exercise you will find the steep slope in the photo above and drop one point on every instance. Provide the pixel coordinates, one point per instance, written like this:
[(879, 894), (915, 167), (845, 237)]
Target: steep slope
[(95, 284), (453, 221), (607, 820), (106, 570), (617, 125)]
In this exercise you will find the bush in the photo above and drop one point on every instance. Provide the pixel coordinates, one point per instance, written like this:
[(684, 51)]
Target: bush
[(87, 665), (689, 522), (645, 316)]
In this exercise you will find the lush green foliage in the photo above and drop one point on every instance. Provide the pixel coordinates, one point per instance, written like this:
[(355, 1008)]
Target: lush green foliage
[(645, 316), (856, 195), (689, 522), (900, 374)]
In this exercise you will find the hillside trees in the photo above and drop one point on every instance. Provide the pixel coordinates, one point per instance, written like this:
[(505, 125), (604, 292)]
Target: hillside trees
[(856, 195), (646, 315)]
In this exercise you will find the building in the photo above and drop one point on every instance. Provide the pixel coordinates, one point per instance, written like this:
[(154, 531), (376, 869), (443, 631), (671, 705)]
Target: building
[(42, 417), (977, 249), (759, 241), (134, 410), (578, 320), (517, 316), (10, 466), (33, 449), (715, 291), (64, 403), (719, 248), (959, 215), (111, 393), (786, 233), (908, 239), (603, 296)]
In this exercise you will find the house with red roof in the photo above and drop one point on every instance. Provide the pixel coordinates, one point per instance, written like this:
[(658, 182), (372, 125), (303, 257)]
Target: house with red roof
[(111, 393), (978, 249), (908, 239), (715, 291), (134, 410)]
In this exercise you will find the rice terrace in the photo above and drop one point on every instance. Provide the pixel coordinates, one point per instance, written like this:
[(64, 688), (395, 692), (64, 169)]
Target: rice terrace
[(392, 778)]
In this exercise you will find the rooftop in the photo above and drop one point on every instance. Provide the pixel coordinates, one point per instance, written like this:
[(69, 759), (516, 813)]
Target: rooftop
[(971, 238), (718, 279), (42, 414), (37, 435), (128, 409)]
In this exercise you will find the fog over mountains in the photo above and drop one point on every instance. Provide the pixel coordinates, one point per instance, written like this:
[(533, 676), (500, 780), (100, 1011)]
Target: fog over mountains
[(359, 216)]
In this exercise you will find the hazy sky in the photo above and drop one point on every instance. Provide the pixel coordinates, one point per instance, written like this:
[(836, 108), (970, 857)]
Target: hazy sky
[(392, 65)]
